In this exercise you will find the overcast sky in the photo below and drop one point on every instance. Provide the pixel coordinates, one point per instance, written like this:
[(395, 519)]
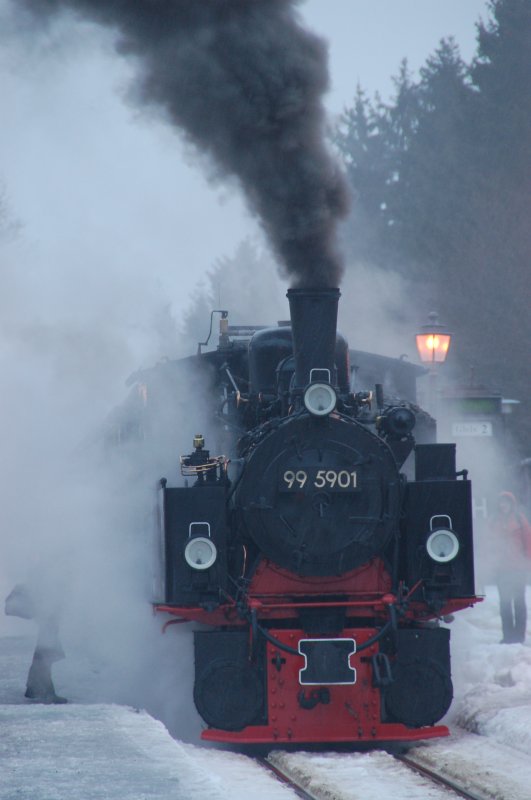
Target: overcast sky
[(115, 213), (369, 38)]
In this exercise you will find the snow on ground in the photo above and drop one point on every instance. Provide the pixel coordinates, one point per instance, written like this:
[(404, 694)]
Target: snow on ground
[(93, 748), (492, 681)]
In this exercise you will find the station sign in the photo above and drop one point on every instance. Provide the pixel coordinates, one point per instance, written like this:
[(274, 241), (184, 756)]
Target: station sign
[(471, 429)]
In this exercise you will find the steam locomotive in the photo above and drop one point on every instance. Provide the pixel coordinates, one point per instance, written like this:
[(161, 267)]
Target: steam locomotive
[(316, 571)]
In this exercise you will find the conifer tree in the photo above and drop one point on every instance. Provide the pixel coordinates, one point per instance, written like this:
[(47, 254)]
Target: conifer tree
[(443, 177)]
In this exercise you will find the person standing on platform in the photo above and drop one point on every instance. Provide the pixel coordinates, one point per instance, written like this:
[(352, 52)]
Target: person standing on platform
[(512, 552), (22, 602)]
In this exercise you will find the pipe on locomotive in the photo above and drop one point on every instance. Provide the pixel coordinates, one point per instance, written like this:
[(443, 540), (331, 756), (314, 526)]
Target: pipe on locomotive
[(313, 330)]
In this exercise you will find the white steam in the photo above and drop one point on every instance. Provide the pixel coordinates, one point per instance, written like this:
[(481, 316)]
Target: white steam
[(75, 526), (84, 290)]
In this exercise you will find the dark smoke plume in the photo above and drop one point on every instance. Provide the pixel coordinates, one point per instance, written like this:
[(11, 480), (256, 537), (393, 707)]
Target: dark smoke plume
[(244, 80)]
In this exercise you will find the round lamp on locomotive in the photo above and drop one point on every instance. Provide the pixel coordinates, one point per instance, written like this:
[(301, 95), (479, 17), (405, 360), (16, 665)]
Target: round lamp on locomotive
[(434, 341), (442, 544), (320, 399), (200, 551)]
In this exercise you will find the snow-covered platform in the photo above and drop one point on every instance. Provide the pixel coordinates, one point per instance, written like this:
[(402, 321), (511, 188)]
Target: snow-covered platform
[(91, 752), (87, 751)]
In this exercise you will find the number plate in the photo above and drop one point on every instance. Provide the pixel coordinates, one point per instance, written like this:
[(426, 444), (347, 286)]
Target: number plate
[(314, 478)]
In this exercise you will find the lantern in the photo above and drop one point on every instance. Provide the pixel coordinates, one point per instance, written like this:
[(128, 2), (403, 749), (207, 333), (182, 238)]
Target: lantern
[(434, 341)]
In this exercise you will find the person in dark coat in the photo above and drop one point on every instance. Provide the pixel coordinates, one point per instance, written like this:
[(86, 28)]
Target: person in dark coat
[(512, 551), (48, 650), (39, 685)]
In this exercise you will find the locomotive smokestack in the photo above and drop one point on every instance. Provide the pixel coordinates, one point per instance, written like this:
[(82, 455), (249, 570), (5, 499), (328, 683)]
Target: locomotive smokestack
[(313, 329)]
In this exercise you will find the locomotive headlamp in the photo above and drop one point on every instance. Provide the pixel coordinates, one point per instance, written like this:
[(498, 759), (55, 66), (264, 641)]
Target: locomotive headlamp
[(200, 553), (320, 399), (442, 545)]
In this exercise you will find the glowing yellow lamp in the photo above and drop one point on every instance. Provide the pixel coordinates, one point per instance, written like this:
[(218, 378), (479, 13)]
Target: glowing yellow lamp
[(434, 341)]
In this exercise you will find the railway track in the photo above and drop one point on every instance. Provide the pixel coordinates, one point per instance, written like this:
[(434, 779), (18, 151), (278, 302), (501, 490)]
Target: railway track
[(441, 780), (282, 776), (451, 786)]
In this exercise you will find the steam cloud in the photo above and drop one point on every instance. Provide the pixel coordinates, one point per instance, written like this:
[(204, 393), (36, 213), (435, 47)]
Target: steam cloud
[(244, 80)]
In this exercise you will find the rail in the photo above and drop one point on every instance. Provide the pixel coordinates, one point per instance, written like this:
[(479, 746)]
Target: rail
[(283, 777), (441, 780)]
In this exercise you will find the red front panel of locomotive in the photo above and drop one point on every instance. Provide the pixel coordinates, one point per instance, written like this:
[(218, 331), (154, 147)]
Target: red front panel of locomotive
[(301, 711)]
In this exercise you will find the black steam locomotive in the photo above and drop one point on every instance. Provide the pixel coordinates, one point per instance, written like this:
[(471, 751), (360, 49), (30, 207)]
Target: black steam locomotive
[(318, 572)]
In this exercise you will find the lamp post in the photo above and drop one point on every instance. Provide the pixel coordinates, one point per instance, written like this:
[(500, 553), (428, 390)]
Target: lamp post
[(433, 344)]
